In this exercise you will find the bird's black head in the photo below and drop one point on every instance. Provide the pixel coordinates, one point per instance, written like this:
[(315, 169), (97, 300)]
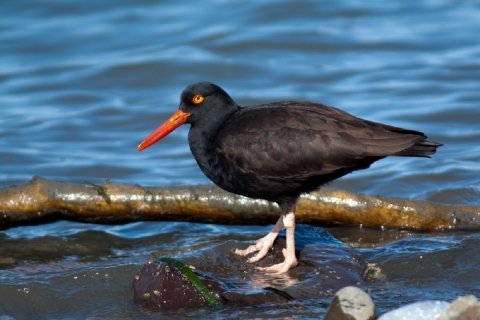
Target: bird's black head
[(204, 105)]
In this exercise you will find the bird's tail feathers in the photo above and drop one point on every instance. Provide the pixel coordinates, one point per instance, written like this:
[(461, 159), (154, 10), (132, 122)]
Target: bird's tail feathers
[(422, 148)]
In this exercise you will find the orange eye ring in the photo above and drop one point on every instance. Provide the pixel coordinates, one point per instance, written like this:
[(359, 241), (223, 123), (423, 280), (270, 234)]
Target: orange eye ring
[(198, 98)]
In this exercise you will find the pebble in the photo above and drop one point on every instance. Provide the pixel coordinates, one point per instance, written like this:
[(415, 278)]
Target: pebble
[(351, 303)]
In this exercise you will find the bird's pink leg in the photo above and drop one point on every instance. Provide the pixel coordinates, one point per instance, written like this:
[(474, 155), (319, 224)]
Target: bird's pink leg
[(264, 244), (289, 253)]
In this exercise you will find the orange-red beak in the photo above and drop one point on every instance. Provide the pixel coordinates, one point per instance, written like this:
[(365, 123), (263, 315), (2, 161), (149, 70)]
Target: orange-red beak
[(171, 124)]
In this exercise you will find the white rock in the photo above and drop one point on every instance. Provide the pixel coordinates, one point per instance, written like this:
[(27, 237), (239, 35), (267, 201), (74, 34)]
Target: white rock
[(424, 310)]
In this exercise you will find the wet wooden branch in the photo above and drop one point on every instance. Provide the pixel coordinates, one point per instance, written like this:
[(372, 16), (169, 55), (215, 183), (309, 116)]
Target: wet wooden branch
[(42, 200)]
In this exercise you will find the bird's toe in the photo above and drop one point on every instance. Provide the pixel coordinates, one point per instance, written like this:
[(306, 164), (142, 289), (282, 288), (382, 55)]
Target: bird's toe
[(250, 249), (281, 267)]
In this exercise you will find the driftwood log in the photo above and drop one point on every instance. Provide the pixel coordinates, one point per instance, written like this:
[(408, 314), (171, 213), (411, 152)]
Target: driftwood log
[(41, 200)]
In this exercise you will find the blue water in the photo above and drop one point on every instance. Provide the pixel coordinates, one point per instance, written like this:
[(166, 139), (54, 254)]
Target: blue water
[(83, 83)]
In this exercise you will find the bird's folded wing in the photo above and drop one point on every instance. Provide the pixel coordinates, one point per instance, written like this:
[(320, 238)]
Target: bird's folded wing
[(297, 143)]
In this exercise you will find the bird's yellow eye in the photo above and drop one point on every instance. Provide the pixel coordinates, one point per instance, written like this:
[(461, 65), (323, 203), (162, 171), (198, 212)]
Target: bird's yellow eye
[(198, 98)]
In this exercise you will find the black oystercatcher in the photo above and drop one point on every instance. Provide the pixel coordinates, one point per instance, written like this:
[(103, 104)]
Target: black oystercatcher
[(279, 150)]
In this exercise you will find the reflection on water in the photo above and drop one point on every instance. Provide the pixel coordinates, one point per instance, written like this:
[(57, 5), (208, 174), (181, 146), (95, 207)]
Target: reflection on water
[(82, 85)]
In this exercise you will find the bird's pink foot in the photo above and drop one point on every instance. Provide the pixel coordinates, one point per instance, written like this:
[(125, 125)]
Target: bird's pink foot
[(261, 245), (280, 267), (266, 243), (283, 267)]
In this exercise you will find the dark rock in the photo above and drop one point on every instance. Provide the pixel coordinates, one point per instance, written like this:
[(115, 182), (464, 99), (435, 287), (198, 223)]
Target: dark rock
[(325, 266), (160, 285)]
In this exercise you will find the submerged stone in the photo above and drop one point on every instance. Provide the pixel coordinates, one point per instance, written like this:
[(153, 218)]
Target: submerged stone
[(160, 286), (325, 266)]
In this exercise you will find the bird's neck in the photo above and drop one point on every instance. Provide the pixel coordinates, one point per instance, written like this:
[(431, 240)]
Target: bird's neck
[(201, 139), (201, 145)]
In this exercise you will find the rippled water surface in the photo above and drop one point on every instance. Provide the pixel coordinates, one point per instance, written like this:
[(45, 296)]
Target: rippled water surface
[(82, 83)]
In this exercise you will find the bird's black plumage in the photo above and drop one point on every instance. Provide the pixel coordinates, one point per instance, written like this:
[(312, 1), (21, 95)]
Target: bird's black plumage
[(277, 151), (289, 147)]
